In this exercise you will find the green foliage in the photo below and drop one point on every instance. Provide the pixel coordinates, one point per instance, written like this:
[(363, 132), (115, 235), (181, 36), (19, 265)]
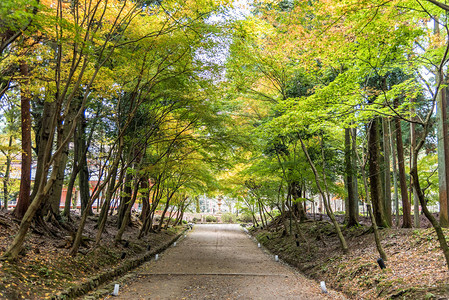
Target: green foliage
[(228, 218), (211, 218), (245, 218)]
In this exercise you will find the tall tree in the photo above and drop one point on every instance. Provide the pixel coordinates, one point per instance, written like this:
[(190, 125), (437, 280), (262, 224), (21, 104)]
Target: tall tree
[(377, 197), (406, 208), (387, 170), (25, 178), (350, 180)]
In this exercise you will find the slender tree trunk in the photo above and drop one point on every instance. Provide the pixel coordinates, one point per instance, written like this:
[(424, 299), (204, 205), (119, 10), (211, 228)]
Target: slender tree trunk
[(197, 205), (145, 191), (352, 219), (406, 216), (261, 214), (54, 198), (112, 187), (354, 164), (374, 173), (395, 177), (379, 247), (44, 136), (436, 225), (25, 179), (170, 216), (127, 216), (7, 176), (64, 130), (68, 198), (380, 250), (329, 212), (79, 232), (83, 176), (443, 149), (387, 172), (155, 197), (125, 198), (416, 222), (167, 205)]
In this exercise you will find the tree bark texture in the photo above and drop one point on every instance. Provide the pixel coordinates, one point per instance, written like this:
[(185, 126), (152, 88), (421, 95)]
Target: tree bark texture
[(387, 171), (352, 219), (83, 176), (25, 178), (406, 208), (374, 173), (295, 192), (43, 129), (7, 176), (443, 152), (125, 198), (395, 177)]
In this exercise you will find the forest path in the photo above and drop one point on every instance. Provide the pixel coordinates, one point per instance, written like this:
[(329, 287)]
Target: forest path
[(219, 262)]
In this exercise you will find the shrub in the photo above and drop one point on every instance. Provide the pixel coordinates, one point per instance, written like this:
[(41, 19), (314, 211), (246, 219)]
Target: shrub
[(211, 218), (228, 218), (245, 218)]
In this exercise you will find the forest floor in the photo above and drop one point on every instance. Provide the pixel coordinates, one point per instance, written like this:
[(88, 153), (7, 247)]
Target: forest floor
[(415, 269), (45, 267)]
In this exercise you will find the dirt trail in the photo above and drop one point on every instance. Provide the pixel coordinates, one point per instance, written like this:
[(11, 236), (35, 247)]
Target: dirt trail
[(219, 262)]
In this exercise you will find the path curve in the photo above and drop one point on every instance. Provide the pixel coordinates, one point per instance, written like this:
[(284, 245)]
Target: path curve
[(219, 261)]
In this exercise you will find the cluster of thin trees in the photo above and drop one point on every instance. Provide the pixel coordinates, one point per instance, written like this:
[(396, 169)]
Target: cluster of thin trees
[(113, 91), (351, 100)]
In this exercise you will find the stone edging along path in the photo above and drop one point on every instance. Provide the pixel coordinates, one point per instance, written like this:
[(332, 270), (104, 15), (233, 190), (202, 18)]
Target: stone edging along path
[(97, 280)]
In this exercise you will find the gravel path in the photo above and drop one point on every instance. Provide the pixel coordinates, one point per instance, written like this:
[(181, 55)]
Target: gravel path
[(219, 262)]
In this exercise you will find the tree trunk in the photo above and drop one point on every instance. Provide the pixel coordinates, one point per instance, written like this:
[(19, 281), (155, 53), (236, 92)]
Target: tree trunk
[(125, 198), (145, 191), (416, 222), (112, 187), (329, 212), (167, 204), (354, 164), (79, 232), (374, 173), (127, 216), (380, 250), (83, 176), (170, 216), (68, 198), (406, 215), (7, 175), (352, 219), (44, 136), (64, 130), (436, 225), (295, 192), (197, 205), (395, 177), (379, 247), (261, 213), (443, 150), (25, 179), (44, 187), (155, 197), (387, 173)]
